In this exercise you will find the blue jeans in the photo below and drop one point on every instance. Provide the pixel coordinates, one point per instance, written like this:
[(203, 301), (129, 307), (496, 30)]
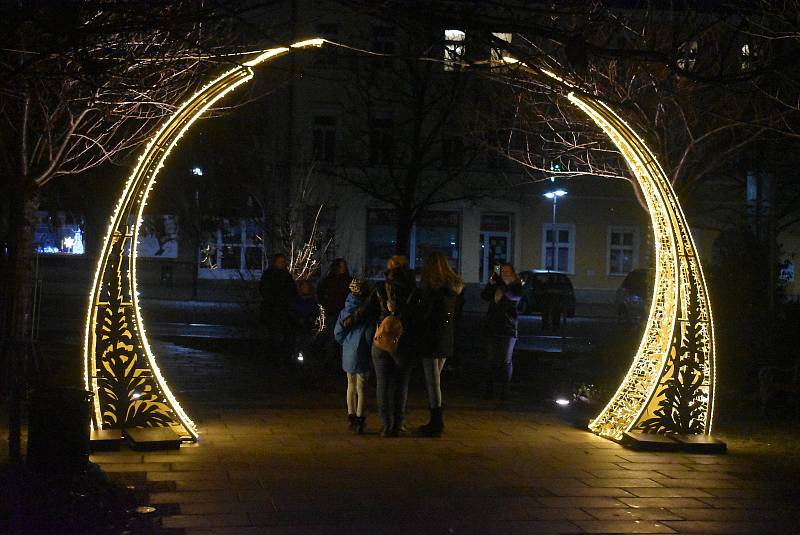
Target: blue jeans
[(392, 388), (499, 353)]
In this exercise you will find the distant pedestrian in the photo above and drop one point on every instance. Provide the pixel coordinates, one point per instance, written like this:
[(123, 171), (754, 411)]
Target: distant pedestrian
[(304, 314), (334, 288), (332, 291), (392, 305), (439, 301), (277, 290), (552, 300), (355, 337), (503, 292)]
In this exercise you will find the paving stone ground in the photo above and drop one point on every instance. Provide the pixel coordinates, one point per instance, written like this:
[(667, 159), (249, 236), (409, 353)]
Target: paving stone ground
[(280, 460)]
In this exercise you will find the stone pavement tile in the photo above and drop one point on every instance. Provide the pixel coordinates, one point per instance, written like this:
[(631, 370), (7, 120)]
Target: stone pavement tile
[(621, 482), (580, 501), (525, 528), (186, 476), (113, 457), (664, 458), (633, 513), (592, 467), (727, 468), (212, 465), (205, 521), (558, 513), (138, 467), (681, 472), (592, 491), (192, 496), (217, 484), (658, 466), (750, 503), (664, 502), (668, 492), (623, 526), (209, 508), (764, 493), (738, 515), (704, 483), (732, 528), (617, 473)]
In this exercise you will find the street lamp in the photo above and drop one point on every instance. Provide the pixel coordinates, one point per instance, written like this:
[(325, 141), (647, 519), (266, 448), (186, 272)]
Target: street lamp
[(555, 194)]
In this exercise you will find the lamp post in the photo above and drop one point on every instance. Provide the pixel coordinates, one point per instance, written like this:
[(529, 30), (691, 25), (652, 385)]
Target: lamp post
[(555, 194)]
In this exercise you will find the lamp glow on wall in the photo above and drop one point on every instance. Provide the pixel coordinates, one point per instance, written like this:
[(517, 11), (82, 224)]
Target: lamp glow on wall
[(669, 387)]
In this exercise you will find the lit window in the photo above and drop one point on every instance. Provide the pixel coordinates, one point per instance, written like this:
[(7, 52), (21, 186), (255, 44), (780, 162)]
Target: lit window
[(687, 56), (158, 236), (497, 54), (323, 147), (623, 250), (558, 248), (58, 233), (453, 49), (231, 246)]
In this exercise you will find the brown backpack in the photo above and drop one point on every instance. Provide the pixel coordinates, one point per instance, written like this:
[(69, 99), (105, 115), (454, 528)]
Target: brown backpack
[(387, 335)]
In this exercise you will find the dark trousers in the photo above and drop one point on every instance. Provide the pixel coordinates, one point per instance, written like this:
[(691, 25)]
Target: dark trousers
[(551, 316), (392, 388), (500, 364)]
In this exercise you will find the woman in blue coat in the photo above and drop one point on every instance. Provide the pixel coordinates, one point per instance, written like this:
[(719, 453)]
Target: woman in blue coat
[(355, 336)]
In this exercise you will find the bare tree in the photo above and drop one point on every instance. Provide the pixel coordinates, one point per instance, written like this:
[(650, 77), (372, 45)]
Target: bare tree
[(83, 84)]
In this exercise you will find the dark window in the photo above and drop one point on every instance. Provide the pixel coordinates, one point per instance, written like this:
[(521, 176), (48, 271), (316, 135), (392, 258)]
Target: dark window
[(324, 139), (452, 151), (381, 142), (498, 149)]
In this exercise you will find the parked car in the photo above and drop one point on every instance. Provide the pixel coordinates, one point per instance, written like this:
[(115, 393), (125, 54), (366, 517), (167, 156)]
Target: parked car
[(538, 284), (632, 300)]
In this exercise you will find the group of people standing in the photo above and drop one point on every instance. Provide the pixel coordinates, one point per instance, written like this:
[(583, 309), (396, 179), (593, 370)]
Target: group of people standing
[(391, 327), (396, 324)]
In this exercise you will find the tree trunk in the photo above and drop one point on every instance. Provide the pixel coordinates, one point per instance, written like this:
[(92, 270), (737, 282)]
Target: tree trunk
[(19, 309), (405, 224)]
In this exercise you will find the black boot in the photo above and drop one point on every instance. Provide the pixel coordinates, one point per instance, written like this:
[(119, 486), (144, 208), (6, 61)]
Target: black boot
[(361, 425), (435, 427), (352, 419)]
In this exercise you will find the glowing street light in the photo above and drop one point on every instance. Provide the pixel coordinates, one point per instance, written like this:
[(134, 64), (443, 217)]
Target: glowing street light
[(197, 171)]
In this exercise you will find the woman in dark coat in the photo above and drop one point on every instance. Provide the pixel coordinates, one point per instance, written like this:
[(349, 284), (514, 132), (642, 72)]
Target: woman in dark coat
[(503, 292), (439, 303), (396, 296), (333, 289), (278, 290)]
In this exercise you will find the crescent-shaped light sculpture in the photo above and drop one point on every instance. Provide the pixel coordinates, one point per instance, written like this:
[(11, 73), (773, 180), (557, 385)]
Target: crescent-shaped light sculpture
[(668, 389)]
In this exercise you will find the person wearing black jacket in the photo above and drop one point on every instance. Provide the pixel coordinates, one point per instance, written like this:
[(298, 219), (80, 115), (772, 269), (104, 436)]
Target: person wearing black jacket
[(440, 300), (503, 292), (396, 296), (278, 290)]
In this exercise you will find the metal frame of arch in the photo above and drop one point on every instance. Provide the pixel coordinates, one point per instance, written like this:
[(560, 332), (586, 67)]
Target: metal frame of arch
[(668, 389)]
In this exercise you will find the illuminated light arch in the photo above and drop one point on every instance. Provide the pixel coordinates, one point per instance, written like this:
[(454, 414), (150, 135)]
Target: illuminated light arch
[(668, 389)]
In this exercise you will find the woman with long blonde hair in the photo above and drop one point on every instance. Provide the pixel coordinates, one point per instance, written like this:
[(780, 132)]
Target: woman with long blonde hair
[(439, 304)]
